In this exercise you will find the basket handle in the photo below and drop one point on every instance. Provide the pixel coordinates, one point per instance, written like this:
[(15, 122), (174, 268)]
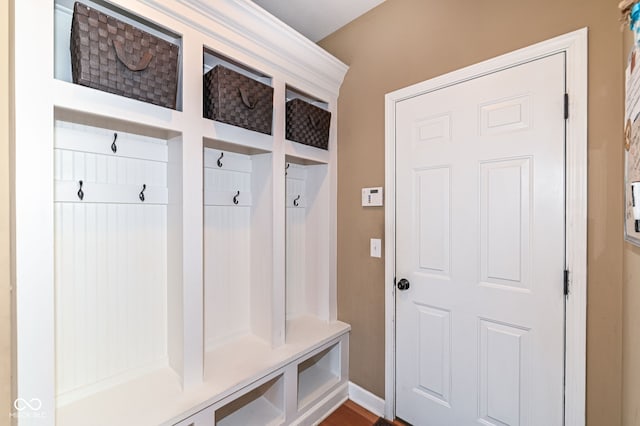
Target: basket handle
[(245, 99), (142, 64), (315, 124)]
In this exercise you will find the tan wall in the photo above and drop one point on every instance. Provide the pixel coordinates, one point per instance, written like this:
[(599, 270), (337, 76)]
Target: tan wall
[(631, 338), (5, 246), (406, 41), (631, 316)]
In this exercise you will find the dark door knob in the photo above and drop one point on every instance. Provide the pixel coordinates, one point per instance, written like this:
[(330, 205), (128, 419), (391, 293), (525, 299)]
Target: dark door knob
[(403, 284)]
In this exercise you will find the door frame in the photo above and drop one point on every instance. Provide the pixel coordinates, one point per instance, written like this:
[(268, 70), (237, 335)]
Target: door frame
[(574, 45)]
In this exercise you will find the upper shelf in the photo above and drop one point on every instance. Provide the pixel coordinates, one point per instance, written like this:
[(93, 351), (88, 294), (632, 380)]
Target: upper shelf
[(84, 101), (305, 153), (219, 135)]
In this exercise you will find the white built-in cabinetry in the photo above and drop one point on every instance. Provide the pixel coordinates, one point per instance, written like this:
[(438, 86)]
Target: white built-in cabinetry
[(171, 269)]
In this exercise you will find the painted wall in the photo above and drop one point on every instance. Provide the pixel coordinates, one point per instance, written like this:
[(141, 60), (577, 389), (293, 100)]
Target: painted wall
[(402, 42), (5, 217), (631, 338), (631, 315)]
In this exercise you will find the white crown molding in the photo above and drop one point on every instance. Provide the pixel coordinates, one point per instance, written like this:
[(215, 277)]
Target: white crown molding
[(247, 26)]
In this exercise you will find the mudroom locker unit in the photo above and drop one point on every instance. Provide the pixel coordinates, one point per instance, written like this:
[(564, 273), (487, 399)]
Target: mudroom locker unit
[(171, 268)]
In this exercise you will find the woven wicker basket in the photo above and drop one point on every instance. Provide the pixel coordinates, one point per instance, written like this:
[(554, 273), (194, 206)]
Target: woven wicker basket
[(307, 124), (233, 98), (116, 57)]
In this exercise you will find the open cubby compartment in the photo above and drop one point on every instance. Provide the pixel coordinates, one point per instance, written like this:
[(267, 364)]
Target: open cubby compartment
[(263, 405), (117, 256), (63, 14), (302, 151), (307, 239), (321, 373), (238, 243)]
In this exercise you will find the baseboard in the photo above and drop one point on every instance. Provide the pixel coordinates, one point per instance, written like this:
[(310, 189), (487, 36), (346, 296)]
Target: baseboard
[(366, 399)]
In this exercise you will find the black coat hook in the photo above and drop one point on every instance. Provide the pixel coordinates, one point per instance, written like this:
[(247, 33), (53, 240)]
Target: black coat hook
[(80, 191), (235, 198), (286, 172), (114, 147), (220, 158), (141, 195), (295, 202)]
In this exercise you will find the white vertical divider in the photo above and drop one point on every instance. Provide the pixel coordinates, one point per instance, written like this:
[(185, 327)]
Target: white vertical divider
[(34, 220), (262, 261), (331, 292), (175, 267), (291, 391), (318, 262), (192, 326), (279, 208), (296, 241)]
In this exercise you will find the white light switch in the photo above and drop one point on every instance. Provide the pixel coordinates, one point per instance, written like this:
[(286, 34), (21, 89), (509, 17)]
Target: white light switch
[(376, 247)]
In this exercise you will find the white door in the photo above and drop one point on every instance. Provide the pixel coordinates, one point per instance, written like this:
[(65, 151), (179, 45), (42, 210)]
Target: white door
[(481, 239)]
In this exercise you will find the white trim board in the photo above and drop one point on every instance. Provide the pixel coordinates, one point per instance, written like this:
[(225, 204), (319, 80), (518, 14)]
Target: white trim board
[(574, 45), (366, 399)]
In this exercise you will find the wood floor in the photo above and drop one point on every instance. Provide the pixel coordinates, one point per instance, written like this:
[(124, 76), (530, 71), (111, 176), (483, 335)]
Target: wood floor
[(351, 414)]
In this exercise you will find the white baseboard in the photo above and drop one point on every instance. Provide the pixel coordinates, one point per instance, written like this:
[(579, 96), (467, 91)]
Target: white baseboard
[(366, 399)]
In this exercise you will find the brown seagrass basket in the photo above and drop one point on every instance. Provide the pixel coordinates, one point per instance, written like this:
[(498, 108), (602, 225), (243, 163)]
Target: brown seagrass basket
[(307, 124), (233, 98), (110, 55)]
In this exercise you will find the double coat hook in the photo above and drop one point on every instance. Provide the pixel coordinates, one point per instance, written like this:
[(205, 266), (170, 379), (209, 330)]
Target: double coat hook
[(296, 201), (220, 158), (235, 198), (141, 196)]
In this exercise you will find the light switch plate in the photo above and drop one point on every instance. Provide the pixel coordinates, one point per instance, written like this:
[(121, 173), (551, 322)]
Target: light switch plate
[(376, 247)]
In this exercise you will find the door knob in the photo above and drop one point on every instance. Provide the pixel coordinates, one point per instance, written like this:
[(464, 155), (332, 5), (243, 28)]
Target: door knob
[(403, 284)]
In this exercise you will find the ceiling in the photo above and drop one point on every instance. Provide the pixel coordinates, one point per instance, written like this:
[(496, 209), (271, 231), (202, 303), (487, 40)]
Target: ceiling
[(317, 19)]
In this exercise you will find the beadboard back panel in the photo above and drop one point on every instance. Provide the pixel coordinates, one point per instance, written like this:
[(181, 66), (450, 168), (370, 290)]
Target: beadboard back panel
[(110, 279), (227, 254), (307, 263), (227, 246), (296, 240), (110, 259)]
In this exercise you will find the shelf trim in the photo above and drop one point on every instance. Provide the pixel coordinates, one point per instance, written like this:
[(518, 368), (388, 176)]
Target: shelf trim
[(80, 99)]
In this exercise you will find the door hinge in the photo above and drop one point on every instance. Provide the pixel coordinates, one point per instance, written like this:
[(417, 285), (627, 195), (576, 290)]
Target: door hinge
[(566, 282), (566, 106)]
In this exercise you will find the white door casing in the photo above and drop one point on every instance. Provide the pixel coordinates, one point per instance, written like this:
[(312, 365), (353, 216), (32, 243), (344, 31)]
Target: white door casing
[(518, 167)]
